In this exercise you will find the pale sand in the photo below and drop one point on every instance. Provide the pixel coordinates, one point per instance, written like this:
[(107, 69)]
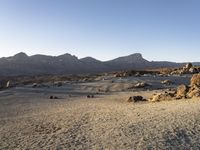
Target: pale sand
[(30, 120)]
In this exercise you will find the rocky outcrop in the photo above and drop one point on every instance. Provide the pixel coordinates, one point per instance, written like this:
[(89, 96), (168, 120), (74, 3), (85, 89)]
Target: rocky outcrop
[(187, 69), (182, 91), (188, 66), (194, 91), (162, 97), (195, 80), (193, 70)]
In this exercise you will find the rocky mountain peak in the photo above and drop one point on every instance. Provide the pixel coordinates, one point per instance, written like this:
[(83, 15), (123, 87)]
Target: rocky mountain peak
[(133, 58), (20, 56), (22, 64), (67, 56), (89, 59), (136, 55)]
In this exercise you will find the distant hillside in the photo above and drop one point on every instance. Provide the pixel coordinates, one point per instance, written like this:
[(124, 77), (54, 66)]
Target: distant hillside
[(22, 64)]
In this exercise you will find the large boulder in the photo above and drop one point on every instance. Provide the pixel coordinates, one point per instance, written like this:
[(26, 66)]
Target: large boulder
[(195, 80), (182, 91), (194, 91), (186, 69)]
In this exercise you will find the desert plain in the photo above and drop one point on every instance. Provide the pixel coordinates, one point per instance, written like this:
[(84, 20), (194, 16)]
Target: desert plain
[(94, 114)]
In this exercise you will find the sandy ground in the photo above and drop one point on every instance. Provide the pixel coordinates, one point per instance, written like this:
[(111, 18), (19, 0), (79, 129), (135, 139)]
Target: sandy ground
[(30, 120)]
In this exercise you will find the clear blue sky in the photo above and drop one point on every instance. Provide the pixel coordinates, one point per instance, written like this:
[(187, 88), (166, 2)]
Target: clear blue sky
[(104, 29)]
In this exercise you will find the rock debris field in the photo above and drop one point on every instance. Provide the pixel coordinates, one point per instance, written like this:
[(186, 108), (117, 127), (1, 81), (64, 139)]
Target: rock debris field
[(96, 115)]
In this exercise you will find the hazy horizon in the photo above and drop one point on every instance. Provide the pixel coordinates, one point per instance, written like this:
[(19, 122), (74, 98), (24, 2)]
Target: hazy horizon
[(159, 30)]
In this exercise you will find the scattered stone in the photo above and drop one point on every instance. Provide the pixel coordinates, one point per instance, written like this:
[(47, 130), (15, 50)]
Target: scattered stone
[(141, 85), (127, 74), (173, 72), (137, 74), (161, 97), (136, 99), (187, 69), (53, 97), (171, 89), (58, 84), (85, 80), (182, 91), (155, 97), (198, 69), (166, 82), (1, 86), (195, 80), (117, 75), (161, 75), (147, 75), (90, 96), (130, 99), (8, 84), (34, 85)]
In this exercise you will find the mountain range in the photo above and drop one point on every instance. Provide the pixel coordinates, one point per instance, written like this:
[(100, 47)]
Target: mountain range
[(22, 64)]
